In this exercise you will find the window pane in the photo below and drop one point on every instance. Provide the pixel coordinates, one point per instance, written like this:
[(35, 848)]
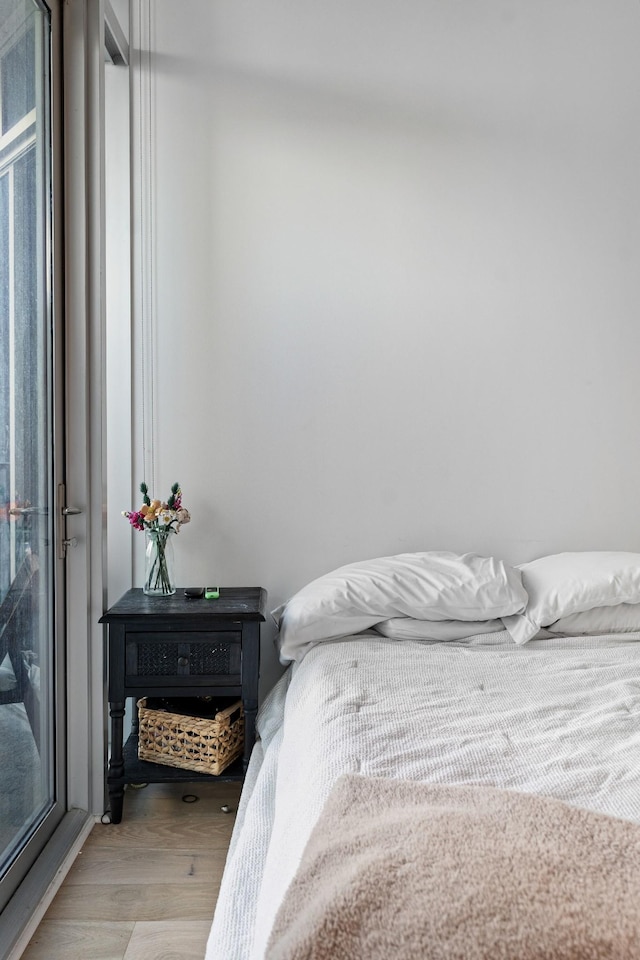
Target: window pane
[(5, 543), (18, 79)]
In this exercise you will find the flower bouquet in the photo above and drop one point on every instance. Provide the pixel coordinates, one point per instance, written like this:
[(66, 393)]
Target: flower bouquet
[(160, 521)]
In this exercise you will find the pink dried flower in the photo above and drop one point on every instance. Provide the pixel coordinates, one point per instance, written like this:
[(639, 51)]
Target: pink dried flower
[(135, 518)]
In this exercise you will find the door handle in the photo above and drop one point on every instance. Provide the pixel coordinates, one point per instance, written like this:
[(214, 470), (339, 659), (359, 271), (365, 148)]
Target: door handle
[(63, 511)]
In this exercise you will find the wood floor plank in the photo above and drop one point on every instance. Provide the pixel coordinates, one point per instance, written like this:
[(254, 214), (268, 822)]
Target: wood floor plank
[(136, 901), (139, 802), (204, 791), (169, 940), (107, 865), (63, 940), (203, 808), (165, 833), (144, 889)]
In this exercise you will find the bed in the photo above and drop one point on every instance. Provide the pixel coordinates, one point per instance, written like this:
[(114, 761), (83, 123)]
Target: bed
[(552, 719)]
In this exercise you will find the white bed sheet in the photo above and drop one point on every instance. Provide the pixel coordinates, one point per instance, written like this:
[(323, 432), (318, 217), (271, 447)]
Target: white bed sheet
[(559, 717)]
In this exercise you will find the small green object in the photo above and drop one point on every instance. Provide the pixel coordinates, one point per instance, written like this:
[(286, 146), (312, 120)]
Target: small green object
[(212, 593)]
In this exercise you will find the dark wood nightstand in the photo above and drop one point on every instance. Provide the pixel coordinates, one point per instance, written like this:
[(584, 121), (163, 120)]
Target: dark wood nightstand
[(169, 647)]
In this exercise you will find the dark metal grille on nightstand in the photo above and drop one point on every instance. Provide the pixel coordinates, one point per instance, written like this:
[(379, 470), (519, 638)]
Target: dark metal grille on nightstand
[(157, 659), (208, 659)]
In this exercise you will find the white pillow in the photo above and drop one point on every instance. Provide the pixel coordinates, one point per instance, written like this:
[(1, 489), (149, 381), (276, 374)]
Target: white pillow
[(623, 618), (567, 583), (424, 586), (406, 628)]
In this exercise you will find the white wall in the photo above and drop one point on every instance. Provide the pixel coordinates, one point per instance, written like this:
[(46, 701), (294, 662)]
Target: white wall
[(392, 260)]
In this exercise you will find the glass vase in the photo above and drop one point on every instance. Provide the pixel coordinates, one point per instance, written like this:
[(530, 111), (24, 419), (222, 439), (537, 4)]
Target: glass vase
[(159, 576)]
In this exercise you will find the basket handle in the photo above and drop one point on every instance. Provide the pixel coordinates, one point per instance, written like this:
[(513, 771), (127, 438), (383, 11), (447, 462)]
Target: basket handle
[(228, 712)]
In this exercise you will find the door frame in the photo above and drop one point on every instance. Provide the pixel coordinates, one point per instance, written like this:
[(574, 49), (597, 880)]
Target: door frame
[(78, 125)]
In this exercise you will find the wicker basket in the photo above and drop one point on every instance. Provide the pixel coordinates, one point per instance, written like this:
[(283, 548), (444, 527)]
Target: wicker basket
[(202, 744)]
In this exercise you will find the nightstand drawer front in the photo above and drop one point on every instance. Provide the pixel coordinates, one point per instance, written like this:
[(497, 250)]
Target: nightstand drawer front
[(156, 655), (210, 659)]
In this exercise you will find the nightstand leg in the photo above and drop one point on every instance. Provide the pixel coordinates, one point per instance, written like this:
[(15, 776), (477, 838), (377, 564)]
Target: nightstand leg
[(249, 735), (135, 717), (116, 762)]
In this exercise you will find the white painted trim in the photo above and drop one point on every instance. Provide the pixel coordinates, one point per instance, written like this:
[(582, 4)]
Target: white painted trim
[(84, 256), (144, 204), (97, 396), (118, 329)]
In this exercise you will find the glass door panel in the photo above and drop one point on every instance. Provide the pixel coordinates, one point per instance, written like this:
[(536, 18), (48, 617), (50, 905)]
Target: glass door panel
[(30, 797)]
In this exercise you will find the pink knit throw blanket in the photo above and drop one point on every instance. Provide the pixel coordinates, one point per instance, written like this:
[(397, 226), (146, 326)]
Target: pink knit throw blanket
[(395, 870)]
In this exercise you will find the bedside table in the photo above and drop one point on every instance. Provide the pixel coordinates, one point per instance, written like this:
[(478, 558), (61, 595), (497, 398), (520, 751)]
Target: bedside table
[(170, 647)]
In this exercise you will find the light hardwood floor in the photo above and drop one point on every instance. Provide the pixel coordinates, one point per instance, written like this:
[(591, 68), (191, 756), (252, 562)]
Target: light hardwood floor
[(146, 888)]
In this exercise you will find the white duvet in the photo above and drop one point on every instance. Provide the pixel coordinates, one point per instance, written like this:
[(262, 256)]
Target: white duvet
[(559, 717)]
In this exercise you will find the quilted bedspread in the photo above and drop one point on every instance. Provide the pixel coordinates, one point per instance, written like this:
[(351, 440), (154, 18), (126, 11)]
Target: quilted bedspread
[(559, 718)]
